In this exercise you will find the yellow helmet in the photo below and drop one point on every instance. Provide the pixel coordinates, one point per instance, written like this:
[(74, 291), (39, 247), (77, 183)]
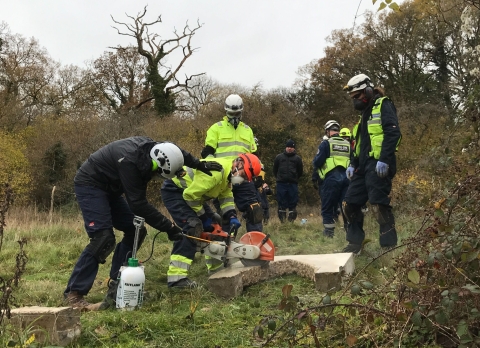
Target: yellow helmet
[(345, 132)]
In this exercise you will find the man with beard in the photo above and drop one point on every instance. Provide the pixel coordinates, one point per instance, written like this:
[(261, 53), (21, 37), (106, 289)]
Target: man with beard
[(373, 163)]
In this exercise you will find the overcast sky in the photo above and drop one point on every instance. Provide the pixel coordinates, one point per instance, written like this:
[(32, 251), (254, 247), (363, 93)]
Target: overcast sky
[(244, 41)]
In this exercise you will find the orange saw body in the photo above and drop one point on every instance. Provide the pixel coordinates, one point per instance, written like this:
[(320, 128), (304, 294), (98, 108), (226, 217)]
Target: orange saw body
[(253, 249)]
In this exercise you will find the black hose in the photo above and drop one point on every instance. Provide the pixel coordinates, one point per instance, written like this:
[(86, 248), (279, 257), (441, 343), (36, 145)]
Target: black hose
[(153, 245)]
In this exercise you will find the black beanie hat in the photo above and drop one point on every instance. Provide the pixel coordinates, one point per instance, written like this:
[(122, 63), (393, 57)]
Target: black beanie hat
[(290, 143)]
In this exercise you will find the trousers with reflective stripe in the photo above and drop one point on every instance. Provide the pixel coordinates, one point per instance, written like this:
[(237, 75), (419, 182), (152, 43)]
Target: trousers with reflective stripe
[(183, 252)]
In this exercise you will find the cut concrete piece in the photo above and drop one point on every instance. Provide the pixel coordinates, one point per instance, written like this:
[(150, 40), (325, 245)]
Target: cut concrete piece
[(325, 270), (51, 325)]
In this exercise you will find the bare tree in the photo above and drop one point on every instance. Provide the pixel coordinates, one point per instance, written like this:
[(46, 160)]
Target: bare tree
[(163, 79)]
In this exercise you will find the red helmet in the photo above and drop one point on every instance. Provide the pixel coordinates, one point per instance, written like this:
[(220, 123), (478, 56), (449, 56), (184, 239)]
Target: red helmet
[(252, 165)]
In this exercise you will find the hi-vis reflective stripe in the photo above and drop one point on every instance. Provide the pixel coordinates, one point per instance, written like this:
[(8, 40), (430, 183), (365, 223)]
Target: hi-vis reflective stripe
[(227, 154), (190, 174), (212, 264), (197, 206), (329, 225), (233, 143), (178, 268)]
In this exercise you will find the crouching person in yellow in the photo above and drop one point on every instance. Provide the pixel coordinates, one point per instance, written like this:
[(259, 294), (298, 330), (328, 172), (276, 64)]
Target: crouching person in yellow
[(186, 201)]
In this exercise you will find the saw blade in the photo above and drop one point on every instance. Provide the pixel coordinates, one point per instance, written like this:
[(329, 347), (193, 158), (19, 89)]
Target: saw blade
[(256, 262)]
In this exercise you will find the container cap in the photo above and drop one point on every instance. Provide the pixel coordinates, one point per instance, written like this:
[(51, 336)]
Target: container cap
[(132, 262)]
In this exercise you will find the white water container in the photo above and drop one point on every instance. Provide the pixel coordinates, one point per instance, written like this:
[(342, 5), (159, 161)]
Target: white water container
[(130, 286)]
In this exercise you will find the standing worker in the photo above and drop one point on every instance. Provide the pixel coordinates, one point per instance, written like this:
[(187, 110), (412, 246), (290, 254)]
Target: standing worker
[(227, 139), (186, 200), (287, 168), (123, 167), (332, 159), (373, 164)]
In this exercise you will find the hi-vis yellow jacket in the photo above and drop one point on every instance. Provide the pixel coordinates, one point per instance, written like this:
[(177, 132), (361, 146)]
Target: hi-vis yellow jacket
[(199, 187), (229, 142)]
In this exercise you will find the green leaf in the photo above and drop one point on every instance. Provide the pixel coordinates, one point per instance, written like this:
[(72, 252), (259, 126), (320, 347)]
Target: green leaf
[(374, 1), (414, 276), (355, 290), (382, 6), (366, 285), (272, 324), (388, 1), (462, 328), (441, 318), (416, 318), (394, 6), (474, 289), (439, 213), (326, 300)]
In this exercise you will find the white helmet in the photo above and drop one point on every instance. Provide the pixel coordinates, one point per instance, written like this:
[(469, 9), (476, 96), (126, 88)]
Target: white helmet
[(330, 124), (234, 105), (168, 157), (358, 83)]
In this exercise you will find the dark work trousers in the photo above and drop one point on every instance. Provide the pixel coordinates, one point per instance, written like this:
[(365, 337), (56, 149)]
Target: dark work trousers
[(369, 187), (332, 193), (287, 195), (244, 195), (101, 211), (262, 198), (181, 212)]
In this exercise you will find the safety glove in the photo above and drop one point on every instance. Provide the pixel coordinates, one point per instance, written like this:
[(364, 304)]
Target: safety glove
[(207, 225), (381, 169), (207, 166), (350, 171), (234, 223), (175, 233)]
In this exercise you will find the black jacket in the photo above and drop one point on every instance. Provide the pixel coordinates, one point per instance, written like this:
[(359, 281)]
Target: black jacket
[(125, 166), (288, 167)]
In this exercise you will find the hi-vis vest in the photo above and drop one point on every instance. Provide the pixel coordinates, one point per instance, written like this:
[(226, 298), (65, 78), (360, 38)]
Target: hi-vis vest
[(229, 142), (375, 130), (339, 156)]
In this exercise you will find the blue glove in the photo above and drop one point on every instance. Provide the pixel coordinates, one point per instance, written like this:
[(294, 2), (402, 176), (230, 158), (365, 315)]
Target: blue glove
[(234, 222), (350, 171), (207, 223), (381, 169)]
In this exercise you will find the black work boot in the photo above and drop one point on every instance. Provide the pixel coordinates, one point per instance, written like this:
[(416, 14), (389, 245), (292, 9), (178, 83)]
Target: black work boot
[(292, 215), (352, 248), (329, 232)]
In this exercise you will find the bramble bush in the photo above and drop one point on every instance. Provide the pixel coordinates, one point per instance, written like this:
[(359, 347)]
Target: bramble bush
[(429, 297)]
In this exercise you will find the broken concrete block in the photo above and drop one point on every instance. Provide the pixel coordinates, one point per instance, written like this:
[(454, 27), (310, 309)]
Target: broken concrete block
[(51, 325), (326, 270)]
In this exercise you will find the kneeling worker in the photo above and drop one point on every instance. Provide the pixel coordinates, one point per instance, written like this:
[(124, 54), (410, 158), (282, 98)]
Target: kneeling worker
[(186, 200)]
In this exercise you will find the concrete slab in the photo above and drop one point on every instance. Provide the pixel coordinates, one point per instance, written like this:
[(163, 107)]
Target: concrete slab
[(51, 325), (326, 270)]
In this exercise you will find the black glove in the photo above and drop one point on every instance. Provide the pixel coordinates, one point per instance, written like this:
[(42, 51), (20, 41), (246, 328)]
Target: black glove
[(208, 166), (315, 184), (175, 233)]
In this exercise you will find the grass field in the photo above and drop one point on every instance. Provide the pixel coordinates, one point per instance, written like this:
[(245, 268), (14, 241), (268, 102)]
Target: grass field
[(188, 318)]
